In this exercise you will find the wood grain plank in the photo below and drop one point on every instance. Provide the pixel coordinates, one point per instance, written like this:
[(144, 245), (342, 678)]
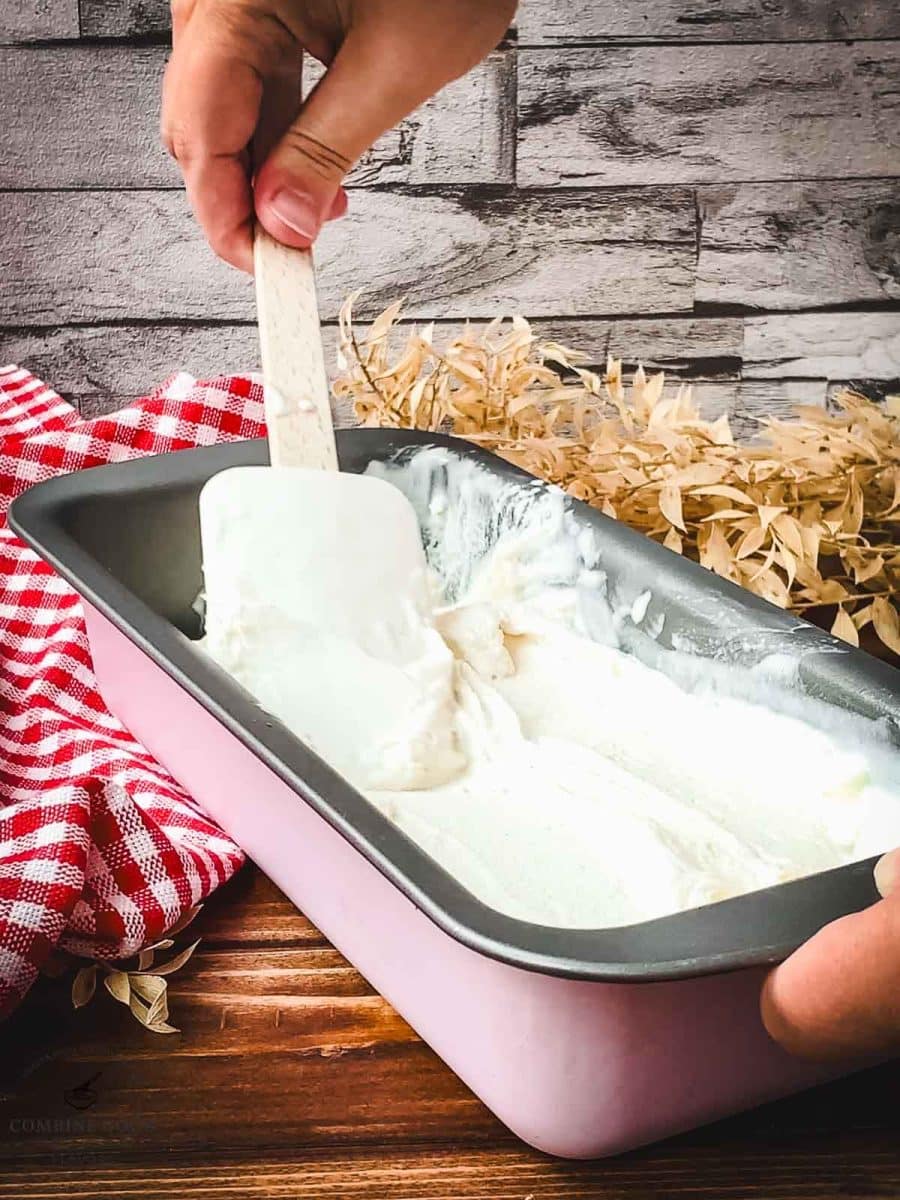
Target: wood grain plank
[(793, 246), (281, 1046), (250, 912), (64, 130), (832, 346), (746, 367), (128, 360), (658, 115), (77, 256), (547, 22), (125, 18), (856, 1169), (73, 255), (110, 361), (101, 368), (246, 1072), (33, 20), (92, 256), (746, 401), (83, 116)]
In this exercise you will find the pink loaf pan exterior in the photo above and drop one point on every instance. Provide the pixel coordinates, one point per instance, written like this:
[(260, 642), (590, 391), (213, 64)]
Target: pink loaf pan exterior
[(576, 1068)]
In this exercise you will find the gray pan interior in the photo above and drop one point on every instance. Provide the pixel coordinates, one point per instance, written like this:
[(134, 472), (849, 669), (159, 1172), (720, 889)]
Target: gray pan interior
[(127, 537)]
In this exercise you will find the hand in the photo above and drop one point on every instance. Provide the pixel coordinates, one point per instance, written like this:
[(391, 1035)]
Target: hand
[(234, 75), (838, 996)]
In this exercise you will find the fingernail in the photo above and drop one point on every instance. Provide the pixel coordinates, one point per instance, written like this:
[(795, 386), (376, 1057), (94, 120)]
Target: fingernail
[(887, 873), (298, 211)]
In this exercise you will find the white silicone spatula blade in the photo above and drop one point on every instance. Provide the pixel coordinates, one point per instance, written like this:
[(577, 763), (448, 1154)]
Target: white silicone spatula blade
[(298, 411)]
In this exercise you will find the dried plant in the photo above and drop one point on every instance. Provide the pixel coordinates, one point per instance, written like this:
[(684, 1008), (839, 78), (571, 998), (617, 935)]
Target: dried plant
[(137, 983), (805, 515)]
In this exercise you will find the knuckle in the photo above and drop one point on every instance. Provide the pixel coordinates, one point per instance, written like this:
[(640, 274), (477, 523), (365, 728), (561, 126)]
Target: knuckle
[(225, 244), (220, 244), (222, 238), (179, 141), (253, 29), (331, 165)]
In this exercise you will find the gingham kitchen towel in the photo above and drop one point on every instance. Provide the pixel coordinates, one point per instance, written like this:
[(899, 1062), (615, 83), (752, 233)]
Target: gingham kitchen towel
[(100, 850)]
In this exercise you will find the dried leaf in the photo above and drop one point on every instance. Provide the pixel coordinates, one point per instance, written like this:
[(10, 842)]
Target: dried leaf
[(868, 570), (845, 628), (726, 492), (806, 515), (84, 985), (178, 961), (832, 591), (862, 616), (768, 513), (725, 514), (159, 1008), (148, 987), (116, 983), (162, 1027), (789, 531), (886, 620), (670, 505), (752, 541), (382, 324), (139, 1008)]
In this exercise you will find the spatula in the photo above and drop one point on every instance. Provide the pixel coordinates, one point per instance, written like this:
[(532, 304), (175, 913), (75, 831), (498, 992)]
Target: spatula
[(298, 412), (337, 533), (317, 593)]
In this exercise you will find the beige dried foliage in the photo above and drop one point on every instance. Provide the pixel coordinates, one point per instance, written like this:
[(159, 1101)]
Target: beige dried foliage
[(806, 514), (142, 990)]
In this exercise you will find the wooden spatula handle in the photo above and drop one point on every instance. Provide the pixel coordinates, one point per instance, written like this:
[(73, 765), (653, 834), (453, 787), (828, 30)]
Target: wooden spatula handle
[(298, 409)]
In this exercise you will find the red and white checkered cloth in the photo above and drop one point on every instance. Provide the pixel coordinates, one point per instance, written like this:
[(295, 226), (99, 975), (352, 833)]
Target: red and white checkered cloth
[(100, 850)]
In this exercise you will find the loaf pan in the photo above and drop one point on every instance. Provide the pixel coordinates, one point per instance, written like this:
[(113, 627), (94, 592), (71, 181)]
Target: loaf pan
[(584, 1042)]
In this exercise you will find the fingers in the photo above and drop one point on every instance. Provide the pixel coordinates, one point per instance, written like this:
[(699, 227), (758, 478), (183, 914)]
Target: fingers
[(298, 187), (212, 95), (887, 873), (181, 14), (393, 58), (838, 996), (226, 56)]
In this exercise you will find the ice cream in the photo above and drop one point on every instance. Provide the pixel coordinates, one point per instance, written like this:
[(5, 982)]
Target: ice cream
[(327, 625), (560, 779)]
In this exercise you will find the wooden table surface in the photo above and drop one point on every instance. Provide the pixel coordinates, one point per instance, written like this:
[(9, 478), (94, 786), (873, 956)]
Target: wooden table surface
[(293, 1078)]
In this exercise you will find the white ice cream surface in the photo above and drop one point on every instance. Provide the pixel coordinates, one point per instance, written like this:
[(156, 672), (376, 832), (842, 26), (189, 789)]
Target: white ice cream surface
[(331, 628), (558, 778)]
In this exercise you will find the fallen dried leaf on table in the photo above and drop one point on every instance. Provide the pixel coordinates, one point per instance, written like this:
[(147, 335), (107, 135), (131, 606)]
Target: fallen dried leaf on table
[(84, 985), (806, 515), (144, 992)]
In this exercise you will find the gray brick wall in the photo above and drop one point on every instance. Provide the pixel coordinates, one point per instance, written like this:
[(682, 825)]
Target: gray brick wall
[(711, 190)]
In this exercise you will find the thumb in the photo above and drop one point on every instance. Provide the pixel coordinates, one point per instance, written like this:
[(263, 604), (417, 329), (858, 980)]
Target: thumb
[(838, 996), (298, 187)]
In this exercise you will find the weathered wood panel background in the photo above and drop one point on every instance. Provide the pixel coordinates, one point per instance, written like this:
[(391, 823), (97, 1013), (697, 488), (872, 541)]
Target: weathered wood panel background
[(712, 189)]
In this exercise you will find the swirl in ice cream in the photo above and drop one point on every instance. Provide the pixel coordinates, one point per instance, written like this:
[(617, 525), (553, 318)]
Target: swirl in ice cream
[(474, 690)]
